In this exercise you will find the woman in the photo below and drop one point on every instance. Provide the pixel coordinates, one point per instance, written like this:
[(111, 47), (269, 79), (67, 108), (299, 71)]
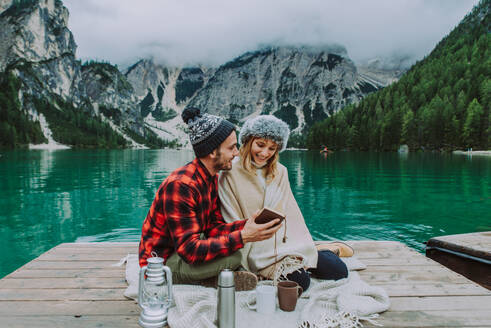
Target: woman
[(258, 180)]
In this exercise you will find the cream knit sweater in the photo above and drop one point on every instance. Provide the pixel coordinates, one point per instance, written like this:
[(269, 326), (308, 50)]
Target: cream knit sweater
[(242, 194)]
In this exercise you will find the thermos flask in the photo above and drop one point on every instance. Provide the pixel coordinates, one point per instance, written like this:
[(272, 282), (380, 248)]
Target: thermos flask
[(226, 299)]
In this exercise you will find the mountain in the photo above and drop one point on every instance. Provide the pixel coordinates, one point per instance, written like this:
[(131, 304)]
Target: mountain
[(111, 95), (48, 96), (163, 92), (301, 85), (442, 102), (36, 43), (42, 82)]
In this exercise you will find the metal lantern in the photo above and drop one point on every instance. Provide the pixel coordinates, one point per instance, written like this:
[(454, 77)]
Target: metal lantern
[(154, 293)]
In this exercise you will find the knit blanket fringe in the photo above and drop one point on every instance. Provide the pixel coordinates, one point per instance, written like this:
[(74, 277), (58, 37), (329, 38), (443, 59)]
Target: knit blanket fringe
[(340, 320), (286, 266)]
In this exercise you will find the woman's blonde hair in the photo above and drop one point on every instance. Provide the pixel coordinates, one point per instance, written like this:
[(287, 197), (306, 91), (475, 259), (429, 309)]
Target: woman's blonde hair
[(246, 159)]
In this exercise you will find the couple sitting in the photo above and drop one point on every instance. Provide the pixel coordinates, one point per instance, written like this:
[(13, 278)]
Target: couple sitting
[(201, 223)]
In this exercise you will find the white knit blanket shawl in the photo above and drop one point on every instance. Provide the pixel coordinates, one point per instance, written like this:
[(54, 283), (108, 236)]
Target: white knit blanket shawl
[(242, 194), (327, 303)]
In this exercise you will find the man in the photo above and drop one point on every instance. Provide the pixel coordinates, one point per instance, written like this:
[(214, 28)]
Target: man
[(184, 224)]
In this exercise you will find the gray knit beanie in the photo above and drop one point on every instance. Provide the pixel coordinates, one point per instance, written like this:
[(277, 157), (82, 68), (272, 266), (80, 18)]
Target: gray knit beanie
[(206, 132), (267, 127)]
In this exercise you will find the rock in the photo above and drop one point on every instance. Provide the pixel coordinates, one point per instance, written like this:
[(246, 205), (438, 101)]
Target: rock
[(112, 94), (4, 4), (37, 46), (403, 149), (301, 85)]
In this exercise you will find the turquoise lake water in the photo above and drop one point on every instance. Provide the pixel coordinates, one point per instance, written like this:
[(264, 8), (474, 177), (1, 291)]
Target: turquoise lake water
[(51, 197)]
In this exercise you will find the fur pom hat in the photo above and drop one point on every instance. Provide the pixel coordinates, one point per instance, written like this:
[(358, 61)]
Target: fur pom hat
[(267, 127)]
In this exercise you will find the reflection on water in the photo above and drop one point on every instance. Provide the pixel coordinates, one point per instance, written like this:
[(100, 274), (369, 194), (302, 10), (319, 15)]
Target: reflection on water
[(409, 198), (120, 234), (50, 197)]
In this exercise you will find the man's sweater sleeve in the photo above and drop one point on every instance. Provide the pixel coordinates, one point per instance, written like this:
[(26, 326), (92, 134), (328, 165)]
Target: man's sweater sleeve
[(179, 205), (217, 225)]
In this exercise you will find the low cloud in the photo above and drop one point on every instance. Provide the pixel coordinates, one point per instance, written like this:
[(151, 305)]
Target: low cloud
[(214, 31)]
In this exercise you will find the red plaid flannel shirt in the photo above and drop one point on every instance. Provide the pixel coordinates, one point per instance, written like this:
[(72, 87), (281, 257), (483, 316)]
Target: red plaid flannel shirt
[(186, 205)]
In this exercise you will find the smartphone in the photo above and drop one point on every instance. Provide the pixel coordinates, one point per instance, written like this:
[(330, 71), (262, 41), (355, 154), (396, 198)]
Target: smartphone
[(267, 215)]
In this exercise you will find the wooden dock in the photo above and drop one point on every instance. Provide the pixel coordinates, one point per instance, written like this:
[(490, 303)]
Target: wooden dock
[(468, 254), (77, 285)]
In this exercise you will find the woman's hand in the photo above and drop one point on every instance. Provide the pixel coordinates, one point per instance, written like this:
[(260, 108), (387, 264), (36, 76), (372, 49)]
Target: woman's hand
[(257, 232)]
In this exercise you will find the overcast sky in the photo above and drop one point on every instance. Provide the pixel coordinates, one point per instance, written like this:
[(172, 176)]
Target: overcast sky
[(211, 32)]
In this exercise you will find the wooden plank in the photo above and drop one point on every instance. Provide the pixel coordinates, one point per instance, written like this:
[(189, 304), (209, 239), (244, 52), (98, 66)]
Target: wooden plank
[(394, 261), (108, 294), (54, 283), (444, 318), (387, 255), (448, 303), (88, 249), (61, 265), (115, 272), (361, 247), (388, 319), (373, 245), (407, 319), (80, 294), (434, 270), (99, 244), (116, 257), (374, 249), (404, 276), (479, 241), (467, 254), (432, 289), (477, 249), (70, 255), (70, 321), (381, 278), (34, 308), (68, 308), (82, 257), (67, 252)]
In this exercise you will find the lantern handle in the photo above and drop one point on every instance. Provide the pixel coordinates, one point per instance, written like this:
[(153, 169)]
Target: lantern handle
[(168, 274), (143, 270)]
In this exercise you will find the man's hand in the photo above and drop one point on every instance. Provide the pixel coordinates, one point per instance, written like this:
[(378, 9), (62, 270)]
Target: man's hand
[(257, 232)]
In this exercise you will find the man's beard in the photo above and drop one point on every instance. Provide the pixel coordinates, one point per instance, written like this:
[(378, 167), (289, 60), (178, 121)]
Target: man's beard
[(220, 164)]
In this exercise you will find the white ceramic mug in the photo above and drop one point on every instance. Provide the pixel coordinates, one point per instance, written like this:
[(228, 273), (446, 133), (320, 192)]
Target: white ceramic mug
[(265, 299)]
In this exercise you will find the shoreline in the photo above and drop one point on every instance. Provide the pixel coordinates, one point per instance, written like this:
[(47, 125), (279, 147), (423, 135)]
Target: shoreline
[(48, 146), (472, 152), (57, 146)]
